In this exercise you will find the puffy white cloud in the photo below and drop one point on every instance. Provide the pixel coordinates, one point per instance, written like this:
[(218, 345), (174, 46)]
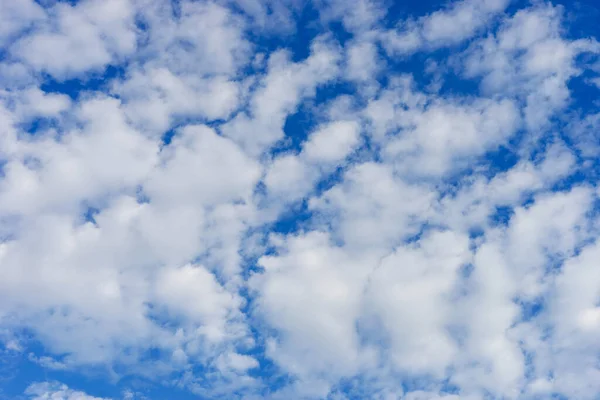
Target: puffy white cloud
[(222, 172), (194, 292), (443, 136), (409, 295), (459, 21), (280, 92), (187, 66), (373, 208), (16, 17), (357, 17), (291, 177), (312, 274), (332, 143), (59, 170), (363, 61), (56, 391), (35, 103), (529, 58), (583, 134), (270, 15), (156, 98), (79, 38), (478, 198)]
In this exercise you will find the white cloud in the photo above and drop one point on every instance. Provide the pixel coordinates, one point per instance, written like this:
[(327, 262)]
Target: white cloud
[(280, 92), (311, 274), (445, 135), (56, 391), (195, 293), (357, 17), (583, 134), (47, 362), (363, 61), (270, 15), (459, 21), (332, 143), (472, 205), (61, 170), (236, 362), (371, 207), (17, 16), (409, 295), (197, 38), (34, 103), (79, 38), (528, 58), (291, 177), (187, 66), (223, 172), (156, 98)]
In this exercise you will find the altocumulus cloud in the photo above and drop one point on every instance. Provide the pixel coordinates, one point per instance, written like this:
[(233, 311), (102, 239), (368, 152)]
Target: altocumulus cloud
[(257, 199)]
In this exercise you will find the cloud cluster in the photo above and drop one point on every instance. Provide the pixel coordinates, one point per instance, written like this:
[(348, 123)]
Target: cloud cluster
[(56, 391), (395, 208)]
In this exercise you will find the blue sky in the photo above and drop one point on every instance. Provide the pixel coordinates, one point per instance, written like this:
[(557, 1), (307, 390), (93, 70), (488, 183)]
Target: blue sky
[(258, 199)]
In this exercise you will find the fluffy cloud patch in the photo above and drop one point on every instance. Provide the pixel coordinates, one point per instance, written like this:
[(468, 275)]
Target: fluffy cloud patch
[(56, 391)]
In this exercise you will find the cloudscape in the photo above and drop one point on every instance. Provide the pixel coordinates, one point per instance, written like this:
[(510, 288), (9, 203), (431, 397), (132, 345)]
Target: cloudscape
[(290, 199)]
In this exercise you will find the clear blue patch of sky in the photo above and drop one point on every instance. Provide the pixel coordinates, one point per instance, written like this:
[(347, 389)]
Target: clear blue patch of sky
[(72, 87)]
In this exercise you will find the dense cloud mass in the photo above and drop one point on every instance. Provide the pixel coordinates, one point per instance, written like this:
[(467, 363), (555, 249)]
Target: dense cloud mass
[(267, 199)]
